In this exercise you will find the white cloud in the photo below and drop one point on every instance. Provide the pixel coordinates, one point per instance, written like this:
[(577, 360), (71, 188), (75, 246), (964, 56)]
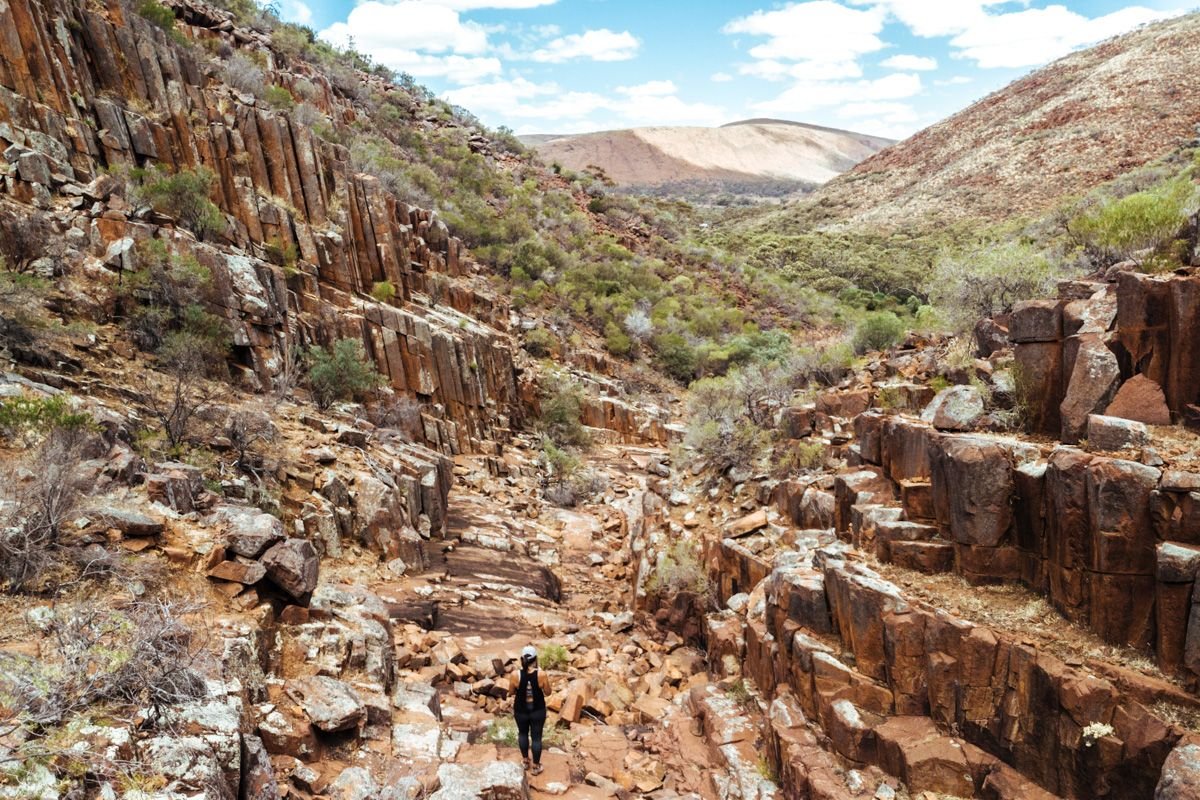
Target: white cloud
[(471, 5), (957, 80), (820, 37), (414, 25), (721, 77), (452, 67), (805, 96), (909, 62), (1037, 35), (548, 106), (295, 11), (896, 112), (598, 45), (772, 70), (649, 89), (1023, 38)]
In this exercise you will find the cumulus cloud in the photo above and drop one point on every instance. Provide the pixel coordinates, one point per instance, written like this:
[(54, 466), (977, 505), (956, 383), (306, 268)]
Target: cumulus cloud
[(721, 77), (1037, 35), (600, 44), (910, 63), (805, 96), (295, 11), (992, 37), (821, 37), (471, 5), (542, 104), (412, 25)]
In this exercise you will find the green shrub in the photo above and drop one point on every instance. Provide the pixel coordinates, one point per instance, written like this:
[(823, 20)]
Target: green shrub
[(878, 331), (281, 253), (540, 343), (675, 356), (383, 291), (678, 570), (158, 14), (184, 196), (970, 285), (34, 418), (617, 341), (1140, 225), (553, 656), (562, 413), (279, 98), (806, 455), (342, 372)]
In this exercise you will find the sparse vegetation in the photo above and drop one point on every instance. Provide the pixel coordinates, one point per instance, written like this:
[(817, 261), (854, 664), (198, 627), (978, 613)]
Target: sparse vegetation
[(141, 655), (383, 291), (184, 196), (1144, 226), (343, 372), (158, 14), (553, 656), (562, 413), (679, 569)]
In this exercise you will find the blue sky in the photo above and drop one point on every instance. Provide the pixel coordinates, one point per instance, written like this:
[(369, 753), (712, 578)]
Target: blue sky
[(887, 67)]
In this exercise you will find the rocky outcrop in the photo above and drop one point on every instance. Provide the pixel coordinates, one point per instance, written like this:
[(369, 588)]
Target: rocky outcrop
[(83, 91), (950, 706)]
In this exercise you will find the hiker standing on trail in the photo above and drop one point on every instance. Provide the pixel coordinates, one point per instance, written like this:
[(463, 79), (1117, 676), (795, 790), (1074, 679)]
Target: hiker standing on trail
[(529, 708)]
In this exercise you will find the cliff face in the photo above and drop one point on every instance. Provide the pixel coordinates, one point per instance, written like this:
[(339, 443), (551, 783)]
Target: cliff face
[(86, 91)]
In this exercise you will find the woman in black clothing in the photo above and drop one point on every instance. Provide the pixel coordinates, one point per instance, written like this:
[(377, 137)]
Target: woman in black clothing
[(529, 708)]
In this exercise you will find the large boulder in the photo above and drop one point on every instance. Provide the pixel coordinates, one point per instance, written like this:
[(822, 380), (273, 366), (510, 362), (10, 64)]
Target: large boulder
[(330, 704), (293, 566), (1093, 381), (1142, 400), (1114, 433), (955, 409), (1180, 773), (499, 780)]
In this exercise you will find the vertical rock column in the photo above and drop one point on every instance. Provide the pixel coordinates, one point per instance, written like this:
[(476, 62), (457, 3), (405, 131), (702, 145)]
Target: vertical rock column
[(1036, 334)]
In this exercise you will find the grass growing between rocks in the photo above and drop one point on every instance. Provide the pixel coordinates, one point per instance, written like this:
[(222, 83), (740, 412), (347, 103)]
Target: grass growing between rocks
[(1017, 611), (502, 732), (553, 656)]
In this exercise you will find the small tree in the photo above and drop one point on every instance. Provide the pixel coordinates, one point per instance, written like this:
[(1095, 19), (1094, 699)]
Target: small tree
[(983, 282), (340, 373), (37, 501), (184, 196), (562, 413), (878, 331)]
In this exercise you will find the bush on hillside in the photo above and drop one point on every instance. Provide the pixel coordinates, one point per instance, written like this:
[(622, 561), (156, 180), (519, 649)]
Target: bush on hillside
[(561, 419), (679, 569), (1141, 226), (343, 372), (969, 285), (878, 331), (184, 196)]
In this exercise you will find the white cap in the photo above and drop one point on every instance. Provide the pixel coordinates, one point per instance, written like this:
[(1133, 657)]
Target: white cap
[(529, 650)]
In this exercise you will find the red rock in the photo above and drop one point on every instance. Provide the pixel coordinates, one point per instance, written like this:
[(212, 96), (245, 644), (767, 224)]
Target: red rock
[(237, 571), (1040, 365), (1090, 388), (1181, 773), (1036, 321), (748, 524), (1142, 400), (1183, 374), (972, 489), (916, 498), (913, 749), (904, 449), (1113, 434), (293, 566), (929, 557)]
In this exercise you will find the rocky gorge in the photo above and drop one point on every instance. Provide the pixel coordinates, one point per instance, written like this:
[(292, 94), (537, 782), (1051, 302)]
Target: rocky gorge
[(939, 608)]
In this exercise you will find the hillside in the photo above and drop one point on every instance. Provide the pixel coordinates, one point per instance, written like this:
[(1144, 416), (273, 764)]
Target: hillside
[(763, 156), (1062, 130)]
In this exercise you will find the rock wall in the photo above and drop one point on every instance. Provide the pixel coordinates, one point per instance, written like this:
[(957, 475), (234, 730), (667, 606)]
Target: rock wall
[(85, 90), (944, 704), (1077, 354)]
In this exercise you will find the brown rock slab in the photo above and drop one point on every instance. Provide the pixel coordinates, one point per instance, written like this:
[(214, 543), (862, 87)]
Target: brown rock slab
[(246, 574), (913, 749), (1180, 773), (1142, 400), (1090, 388), (1036, 321), (293, 566), (330, 704), (1112, 434), (748, 524)]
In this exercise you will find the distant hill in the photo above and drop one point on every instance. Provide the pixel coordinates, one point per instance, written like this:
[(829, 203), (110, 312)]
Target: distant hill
[(1060, 131), (759, 156)]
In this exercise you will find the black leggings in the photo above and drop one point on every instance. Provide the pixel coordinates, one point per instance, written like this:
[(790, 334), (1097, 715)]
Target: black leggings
[(530, 723)]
